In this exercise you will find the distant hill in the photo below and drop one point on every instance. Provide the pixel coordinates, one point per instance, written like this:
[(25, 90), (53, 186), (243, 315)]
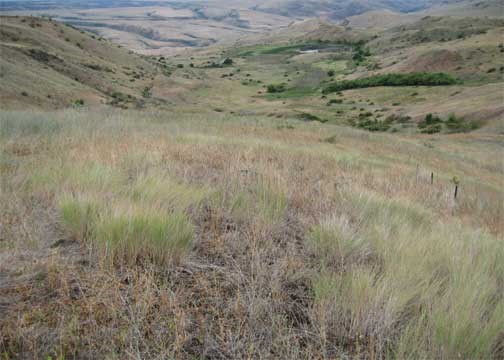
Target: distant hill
[(47, 64), (340, 9)]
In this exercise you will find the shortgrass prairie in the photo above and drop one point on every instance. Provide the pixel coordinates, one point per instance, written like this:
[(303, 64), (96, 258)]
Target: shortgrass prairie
[(170, 235)]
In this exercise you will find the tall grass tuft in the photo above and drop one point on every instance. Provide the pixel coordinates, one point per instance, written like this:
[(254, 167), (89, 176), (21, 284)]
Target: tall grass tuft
[(79, 216), (141, 235)]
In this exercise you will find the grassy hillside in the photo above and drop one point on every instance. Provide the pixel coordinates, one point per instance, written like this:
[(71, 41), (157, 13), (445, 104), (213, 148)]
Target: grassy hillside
[(156, 27), (47, 64), (172, 235)]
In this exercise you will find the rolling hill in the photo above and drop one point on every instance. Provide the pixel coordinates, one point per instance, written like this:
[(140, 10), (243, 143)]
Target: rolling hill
[(166, 26), (48, 64)]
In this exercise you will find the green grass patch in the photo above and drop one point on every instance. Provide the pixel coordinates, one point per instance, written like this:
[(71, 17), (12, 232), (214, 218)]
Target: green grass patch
[(79, 216), (143, 235)]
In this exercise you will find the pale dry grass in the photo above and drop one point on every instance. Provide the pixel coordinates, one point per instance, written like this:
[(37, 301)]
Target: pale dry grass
[(159, 235)]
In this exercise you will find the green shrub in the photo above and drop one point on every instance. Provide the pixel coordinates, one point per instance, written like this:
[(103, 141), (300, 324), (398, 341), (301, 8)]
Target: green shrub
[(227, 61), (456, 124), (429, 121), (360, 54), (276, 88), (310, 117), (411, 79), (334, 101), (147, 92), (432, 129), (373, 125), (78, 103), (434, 124)]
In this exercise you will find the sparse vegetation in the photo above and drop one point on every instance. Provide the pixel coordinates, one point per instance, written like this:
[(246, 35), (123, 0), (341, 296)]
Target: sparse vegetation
[(434, 124)]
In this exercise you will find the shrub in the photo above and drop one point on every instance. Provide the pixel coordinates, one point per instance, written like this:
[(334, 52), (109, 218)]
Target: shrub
[(276, 88), (429, 120), (78, 103), (432, 129), (334, 101), (360, 54), (227, 61), (373, 125), (147, 92), (331, 73), (434, 124), (411, 79), (456, 124), (310, 117)]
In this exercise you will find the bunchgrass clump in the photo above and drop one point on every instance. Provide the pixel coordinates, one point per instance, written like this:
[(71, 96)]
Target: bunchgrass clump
[(142, 235), (79, 215)]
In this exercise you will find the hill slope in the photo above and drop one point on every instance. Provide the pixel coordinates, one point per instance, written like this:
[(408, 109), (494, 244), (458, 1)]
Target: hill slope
[(47, 64)]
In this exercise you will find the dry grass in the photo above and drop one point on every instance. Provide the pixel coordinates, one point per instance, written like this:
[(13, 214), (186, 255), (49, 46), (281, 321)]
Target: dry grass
[(156, 235)]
